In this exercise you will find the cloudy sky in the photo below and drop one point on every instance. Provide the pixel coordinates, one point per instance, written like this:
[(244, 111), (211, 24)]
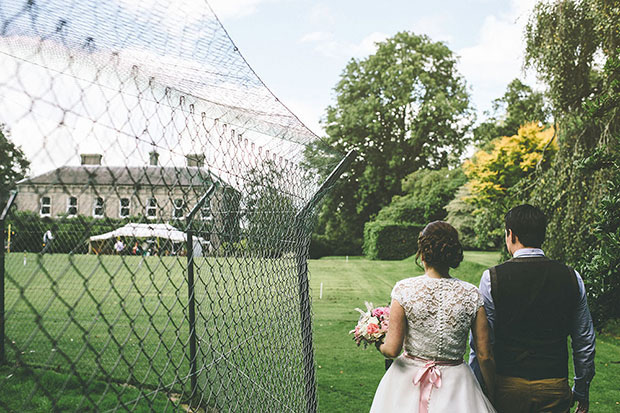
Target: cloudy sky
[(300, 47)]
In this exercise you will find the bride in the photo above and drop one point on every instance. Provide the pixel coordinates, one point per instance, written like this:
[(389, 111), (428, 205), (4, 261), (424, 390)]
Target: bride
[(432, 316)]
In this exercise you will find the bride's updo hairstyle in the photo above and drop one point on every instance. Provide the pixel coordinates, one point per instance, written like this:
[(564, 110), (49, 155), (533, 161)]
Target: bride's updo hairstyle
[(439, 245)]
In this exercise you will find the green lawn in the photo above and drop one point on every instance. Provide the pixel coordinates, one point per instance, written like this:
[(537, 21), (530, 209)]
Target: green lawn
[(114, 328), (348, 375)]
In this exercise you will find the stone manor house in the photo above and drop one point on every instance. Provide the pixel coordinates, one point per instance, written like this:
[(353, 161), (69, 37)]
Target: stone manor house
[(154, 192)]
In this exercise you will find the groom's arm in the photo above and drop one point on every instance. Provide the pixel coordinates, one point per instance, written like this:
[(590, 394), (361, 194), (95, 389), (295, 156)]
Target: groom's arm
[(583, 342), (489, 307)]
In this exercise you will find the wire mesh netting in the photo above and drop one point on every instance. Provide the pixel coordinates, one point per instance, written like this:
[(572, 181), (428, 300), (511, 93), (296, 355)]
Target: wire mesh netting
[(155, 252)]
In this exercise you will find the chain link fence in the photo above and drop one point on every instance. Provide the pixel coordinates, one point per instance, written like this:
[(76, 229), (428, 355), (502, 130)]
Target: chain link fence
[(155, 251)]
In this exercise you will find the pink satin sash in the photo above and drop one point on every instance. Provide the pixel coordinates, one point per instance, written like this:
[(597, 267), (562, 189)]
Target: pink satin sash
[(428, 377)]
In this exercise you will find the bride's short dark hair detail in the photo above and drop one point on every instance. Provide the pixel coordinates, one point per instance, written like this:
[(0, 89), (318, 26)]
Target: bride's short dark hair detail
[(439, 245)]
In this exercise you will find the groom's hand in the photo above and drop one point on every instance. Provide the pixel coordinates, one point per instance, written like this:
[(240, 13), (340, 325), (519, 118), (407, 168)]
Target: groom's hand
[(582, 405)]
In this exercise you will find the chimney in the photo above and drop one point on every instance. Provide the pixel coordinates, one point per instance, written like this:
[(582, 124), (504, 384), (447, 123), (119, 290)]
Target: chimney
[(196, 159), (90, 159), (153, 158)]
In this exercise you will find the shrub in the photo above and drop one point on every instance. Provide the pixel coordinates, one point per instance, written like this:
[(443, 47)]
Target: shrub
[(71, 234), (321, 246), (390, 240), (426, 194)]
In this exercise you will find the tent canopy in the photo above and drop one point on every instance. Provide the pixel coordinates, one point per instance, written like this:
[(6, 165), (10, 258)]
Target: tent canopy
[(133, 230)]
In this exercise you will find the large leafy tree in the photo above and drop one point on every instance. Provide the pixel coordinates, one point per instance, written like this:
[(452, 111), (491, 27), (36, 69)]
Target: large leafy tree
[(404, 108), (601, 262), (13, 165), (565, 42), (426, 194), (269, 213), (519, 105), (461, 216), (499, 177)]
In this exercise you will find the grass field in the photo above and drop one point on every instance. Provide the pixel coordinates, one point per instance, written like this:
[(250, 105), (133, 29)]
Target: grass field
[(116, 328), (125, 319), (348, 376)]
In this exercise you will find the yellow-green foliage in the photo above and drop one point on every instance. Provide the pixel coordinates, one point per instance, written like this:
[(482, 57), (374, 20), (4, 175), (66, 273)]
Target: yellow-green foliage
[(510, 159)]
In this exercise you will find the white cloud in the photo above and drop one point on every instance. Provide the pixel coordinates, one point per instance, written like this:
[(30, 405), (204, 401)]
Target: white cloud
[(321, 13), (433, 27), (497, 58), (327, 45), (368, 45), (314, 37)]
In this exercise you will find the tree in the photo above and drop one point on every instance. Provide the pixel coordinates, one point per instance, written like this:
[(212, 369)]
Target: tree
[(403, 108), (13, 165), (497, 177), (269, 213), (601, 263), (427, 193), (565, 42), (518, 106), (461, 217)]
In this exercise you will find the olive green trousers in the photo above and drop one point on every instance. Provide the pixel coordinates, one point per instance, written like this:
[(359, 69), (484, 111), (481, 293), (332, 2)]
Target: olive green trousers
[(517, 395)]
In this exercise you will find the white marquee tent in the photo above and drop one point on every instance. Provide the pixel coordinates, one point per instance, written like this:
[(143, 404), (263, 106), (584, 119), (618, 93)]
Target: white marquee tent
[(150, 231)]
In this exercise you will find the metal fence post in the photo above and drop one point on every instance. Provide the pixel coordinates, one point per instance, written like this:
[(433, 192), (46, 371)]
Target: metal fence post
[(2, 236), (304, 290), (191, 298)]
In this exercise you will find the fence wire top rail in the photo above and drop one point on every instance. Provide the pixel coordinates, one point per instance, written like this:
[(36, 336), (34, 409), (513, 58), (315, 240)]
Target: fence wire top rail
[(181, 45)]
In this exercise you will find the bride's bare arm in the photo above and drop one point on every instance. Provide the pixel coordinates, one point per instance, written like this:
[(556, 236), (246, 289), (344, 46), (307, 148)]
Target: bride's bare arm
[(393, 342), (484, 351)]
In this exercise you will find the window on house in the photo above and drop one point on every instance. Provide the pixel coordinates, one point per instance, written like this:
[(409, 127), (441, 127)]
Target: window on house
[(179, 207), (151, 208), (98, 207), (123, 210), (72, 206), (46, 206)]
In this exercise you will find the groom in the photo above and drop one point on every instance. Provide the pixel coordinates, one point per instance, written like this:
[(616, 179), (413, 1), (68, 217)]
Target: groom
[(533, 304)]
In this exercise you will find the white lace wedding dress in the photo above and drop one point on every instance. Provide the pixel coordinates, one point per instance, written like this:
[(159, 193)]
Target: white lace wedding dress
[(439, 316)]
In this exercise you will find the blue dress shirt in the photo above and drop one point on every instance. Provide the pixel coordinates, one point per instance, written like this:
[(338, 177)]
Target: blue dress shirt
[(582, 331)]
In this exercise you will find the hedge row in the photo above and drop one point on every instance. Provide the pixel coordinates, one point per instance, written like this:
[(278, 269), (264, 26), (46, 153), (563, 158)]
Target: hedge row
[(390, 240), (70, 234)]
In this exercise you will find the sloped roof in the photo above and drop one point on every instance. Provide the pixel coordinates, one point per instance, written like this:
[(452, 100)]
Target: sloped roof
[(125, 176)]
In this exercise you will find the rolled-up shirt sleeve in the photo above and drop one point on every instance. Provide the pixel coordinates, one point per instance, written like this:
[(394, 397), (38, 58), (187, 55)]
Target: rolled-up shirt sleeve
[(489, 307), (583, 342)]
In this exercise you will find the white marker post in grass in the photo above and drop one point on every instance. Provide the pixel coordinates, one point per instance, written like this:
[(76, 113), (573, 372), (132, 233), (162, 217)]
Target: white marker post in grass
[(321, 292)]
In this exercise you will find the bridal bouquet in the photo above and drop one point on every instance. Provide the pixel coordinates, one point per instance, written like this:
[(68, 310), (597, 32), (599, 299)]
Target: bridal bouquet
[(372, 325)]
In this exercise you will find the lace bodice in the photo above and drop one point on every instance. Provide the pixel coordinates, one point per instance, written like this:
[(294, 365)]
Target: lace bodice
[(439, 315)]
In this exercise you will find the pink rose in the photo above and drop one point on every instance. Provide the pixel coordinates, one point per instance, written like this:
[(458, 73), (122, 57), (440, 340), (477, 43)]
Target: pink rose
[(372, 328), (378, 312), (384, 325), (386, 312)]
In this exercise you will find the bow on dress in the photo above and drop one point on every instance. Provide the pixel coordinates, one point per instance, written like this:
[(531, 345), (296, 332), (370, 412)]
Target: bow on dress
[(427, 377)]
